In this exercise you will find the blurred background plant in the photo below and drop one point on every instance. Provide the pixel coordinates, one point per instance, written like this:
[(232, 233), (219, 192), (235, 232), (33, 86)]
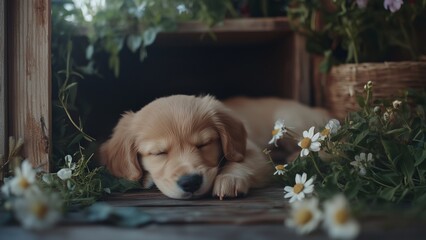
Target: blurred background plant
[(358, 31), (109, 26)]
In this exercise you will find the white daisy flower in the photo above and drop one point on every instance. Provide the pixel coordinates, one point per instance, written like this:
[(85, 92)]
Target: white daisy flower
[(305, 216), (280, 169), (362, 162), (309, 142), (5, 189), (338, 220), (24, 178), (66, 173), (278, 132), (300, 189), (359, 166), (330, 128), (396, 104), (386, 116), (37, 210)]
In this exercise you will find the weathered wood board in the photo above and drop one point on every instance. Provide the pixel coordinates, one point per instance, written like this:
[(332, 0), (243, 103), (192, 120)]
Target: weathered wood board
[(29, 73), (260, 215)]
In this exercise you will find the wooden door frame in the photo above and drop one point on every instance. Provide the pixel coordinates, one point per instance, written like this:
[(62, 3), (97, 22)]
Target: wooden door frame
[(3, 87), (27, 61)]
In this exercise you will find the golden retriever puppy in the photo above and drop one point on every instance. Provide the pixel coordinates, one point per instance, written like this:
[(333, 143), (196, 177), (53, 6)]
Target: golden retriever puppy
[(259, 116), (190, 146)]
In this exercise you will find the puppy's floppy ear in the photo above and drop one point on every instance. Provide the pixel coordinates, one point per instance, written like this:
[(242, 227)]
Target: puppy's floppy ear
[(119, 153), (232, 133)]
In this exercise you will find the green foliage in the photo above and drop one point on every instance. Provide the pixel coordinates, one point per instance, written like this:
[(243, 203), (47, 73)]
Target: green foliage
[(395, 135), (132, 23), (83, 187), (352, 34)]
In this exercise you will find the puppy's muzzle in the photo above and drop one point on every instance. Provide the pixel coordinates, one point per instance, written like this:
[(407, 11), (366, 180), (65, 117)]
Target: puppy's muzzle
[(190, 183)]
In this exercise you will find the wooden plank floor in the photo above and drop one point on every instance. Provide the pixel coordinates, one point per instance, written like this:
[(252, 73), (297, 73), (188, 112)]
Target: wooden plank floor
[(260, 215)]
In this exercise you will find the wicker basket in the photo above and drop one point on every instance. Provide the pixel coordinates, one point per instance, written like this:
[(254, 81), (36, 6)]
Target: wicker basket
[(389, 79)]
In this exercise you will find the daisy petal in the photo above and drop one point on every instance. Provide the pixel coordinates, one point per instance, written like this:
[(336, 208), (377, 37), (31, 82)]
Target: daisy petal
[(300, 196), (315, 137), (288, 189), (311, 132), (304, 152), (304, 176), (315, 147), (289, 195), (305, 134), (308, 189), (309, 182), (298, 178)]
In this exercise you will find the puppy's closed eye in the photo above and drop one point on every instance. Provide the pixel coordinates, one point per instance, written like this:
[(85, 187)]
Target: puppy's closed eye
[(159, 153), (205, 144)]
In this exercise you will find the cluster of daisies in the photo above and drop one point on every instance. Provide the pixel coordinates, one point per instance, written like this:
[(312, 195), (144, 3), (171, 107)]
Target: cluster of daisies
[(306, 214), (33, 207), (27, 197)]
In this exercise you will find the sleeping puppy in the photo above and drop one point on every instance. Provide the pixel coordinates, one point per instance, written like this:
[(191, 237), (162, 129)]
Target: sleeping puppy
[(189, 146)]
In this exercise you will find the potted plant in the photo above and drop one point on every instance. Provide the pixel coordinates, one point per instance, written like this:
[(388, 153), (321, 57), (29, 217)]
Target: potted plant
[(361, 41)]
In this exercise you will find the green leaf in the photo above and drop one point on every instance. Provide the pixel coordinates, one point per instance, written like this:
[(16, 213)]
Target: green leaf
[(360, 100), (142, 54), (351, 189), (149, 35), (134, 42), (388, 193), (89, 51), (326, 64), (419, 155), (361, 137), (406, 164), (391, 150)]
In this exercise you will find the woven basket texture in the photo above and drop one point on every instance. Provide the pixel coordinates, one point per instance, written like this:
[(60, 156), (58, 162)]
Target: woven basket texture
[(389, 79)]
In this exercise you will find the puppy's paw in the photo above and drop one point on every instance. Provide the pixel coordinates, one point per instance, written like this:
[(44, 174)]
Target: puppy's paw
[(226, 185)]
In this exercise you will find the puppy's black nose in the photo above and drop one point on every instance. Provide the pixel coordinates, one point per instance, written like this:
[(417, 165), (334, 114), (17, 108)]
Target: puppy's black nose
[(190, 183)]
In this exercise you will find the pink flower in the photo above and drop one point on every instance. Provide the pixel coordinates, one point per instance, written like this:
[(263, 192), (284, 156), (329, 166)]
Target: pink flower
[(362, 3), (393, 5)]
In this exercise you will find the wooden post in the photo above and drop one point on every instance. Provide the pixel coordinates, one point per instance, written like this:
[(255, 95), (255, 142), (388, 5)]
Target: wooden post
[(3, 111), (301, 58), (29, 77)]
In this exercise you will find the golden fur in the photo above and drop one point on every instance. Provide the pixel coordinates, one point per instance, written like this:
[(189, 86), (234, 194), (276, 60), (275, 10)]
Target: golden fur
[(183, 135)]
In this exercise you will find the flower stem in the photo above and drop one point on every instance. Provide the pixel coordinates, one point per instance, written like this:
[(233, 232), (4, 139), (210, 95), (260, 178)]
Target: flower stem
[(316, 167)]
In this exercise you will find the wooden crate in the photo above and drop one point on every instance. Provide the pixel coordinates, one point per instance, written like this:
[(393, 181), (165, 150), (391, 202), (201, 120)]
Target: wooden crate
[(25, 92)]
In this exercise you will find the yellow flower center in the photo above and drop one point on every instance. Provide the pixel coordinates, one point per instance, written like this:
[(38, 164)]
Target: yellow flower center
[(298, 187), (40, 210), (325, 132), (23, 183), (275, 131), (342, 216), (303, 216), (280, 167), (305, 143)]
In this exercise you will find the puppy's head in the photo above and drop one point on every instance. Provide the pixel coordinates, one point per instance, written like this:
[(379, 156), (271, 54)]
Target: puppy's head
[(180, 140)]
